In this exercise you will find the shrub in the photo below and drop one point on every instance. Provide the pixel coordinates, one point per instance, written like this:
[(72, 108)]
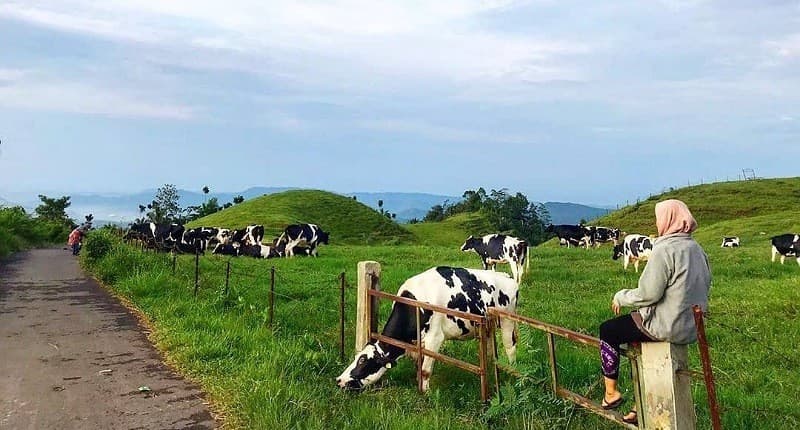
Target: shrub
[(97, 245)]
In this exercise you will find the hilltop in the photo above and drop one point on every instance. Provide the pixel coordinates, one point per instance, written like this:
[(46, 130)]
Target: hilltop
[(452, 231), (347, 221), (771, 201)]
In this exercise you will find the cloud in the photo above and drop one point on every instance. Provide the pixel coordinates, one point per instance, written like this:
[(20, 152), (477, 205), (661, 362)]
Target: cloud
[(446, 39), (785, 47), (83, 98), (445, 133)]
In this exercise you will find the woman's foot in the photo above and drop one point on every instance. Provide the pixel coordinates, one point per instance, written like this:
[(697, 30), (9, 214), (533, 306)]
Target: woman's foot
[(612, 401), (631, 418)]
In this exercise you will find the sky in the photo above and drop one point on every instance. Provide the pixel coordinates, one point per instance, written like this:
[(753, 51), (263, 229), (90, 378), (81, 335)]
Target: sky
[(583, 101)]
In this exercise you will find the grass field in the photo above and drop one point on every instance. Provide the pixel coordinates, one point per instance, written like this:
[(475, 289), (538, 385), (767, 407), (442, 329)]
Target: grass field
[(283, 377)]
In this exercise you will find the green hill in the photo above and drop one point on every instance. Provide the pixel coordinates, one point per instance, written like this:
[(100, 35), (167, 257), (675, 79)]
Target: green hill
[(772, 202), (347, 221), (452, 231)]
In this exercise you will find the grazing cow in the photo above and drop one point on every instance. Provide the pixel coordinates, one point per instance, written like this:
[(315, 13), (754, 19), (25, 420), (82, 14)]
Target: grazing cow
[(499, 248), (787, 245), (604, 235), (226, 249), (466, 290), (205, 236), (258, 251), (309, 235), (223, 236), (572, 235), (730, 242), (635, 248)]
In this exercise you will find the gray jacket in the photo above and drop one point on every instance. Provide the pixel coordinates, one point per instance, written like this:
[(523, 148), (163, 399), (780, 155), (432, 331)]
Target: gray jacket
[(676, 277)]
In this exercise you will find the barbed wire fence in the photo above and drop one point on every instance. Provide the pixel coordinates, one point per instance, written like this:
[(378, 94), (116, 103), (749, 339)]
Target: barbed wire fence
[(229, 277)]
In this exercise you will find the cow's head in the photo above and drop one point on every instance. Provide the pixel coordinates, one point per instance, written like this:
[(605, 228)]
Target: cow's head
[(470, 243), (367, 367), (323, 237), (619, 251)]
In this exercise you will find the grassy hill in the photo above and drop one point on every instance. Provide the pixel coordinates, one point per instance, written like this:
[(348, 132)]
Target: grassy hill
[(452, 231), (348, 221), (713, 203)]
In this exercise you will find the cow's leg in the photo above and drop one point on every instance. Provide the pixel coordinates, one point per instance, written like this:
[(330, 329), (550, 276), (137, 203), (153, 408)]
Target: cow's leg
[(509, 331), (774, 253), (636, 265), (783, 258), (515, 271), (432, 341), (485, 264), (625, 261), (798, 260)]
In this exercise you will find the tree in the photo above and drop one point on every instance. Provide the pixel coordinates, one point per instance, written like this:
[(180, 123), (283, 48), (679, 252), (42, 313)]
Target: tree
[(165, 207), (238, 199), (205, 209), (227, 205), (54, 210), (206, 190)]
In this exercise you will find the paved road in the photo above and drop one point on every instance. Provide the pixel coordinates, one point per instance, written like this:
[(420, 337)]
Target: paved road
[(59, 332)]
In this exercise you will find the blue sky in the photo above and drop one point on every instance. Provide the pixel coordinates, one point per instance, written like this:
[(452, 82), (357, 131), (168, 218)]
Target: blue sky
[(572, 101)]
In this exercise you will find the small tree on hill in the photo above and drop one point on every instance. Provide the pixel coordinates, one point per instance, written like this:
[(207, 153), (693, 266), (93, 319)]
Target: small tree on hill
[(238, 199), (165, 207), (54, 210)]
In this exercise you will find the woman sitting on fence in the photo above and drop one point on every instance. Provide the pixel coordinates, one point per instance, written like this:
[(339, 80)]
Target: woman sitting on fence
[(676, 277)]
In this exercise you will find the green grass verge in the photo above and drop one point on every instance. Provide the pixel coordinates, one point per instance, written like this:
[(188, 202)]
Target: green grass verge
[(283, 378), (348, 221)]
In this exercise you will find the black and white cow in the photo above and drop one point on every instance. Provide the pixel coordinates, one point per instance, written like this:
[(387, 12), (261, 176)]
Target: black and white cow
[(309, 235), (226, 249), (602, 235), (467, 290), (786, 245), (161, 236), (258, 251), (730, 242), (572, 235), (251, 235), (635, 248), (499, 248)]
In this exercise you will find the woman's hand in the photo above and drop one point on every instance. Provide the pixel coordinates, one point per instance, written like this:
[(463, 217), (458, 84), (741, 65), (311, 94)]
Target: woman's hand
[(615, 307)]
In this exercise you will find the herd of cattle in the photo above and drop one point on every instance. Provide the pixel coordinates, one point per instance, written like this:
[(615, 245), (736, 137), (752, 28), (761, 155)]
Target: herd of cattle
[(296, 239)]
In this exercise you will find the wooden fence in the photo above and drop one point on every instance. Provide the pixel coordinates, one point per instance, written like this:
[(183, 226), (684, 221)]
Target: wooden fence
[(661, 377)]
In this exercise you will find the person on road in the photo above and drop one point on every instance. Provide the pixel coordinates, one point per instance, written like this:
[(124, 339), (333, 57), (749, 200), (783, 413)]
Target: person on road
[(676, 277), (75, 239)]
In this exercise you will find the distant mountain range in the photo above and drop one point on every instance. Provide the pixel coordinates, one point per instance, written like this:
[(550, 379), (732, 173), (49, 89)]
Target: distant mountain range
[(123, 208)]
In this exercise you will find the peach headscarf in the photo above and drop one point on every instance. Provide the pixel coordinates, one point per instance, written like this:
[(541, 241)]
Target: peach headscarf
[(673, 216)]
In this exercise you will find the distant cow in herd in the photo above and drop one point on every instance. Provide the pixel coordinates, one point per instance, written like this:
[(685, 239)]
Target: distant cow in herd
[(730, 242), (786, 245), (466, 290), (499, 248), (306, 236), (635, 248)]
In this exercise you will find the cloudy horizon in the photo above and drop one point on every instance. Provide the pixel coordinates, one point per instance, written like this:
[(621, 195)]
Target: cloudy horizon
[(582, 102)]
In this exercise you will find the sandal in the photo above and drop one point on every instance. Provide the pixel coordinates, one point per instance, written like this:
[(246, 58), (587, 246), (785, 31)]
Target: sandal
[(634, 418), (613, 405)]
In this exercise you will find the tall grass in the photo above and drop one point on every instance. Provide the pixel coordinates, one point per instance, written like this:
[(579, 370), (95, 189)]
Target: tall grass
[(283, 377), (18, 231)]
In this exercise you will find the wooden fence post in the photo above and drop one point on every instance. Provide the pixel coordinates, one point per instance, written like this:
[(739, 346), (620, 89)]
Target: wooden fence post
[(342, 285), (369, 277), (196, 272), (667, 401), (271, 295)]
